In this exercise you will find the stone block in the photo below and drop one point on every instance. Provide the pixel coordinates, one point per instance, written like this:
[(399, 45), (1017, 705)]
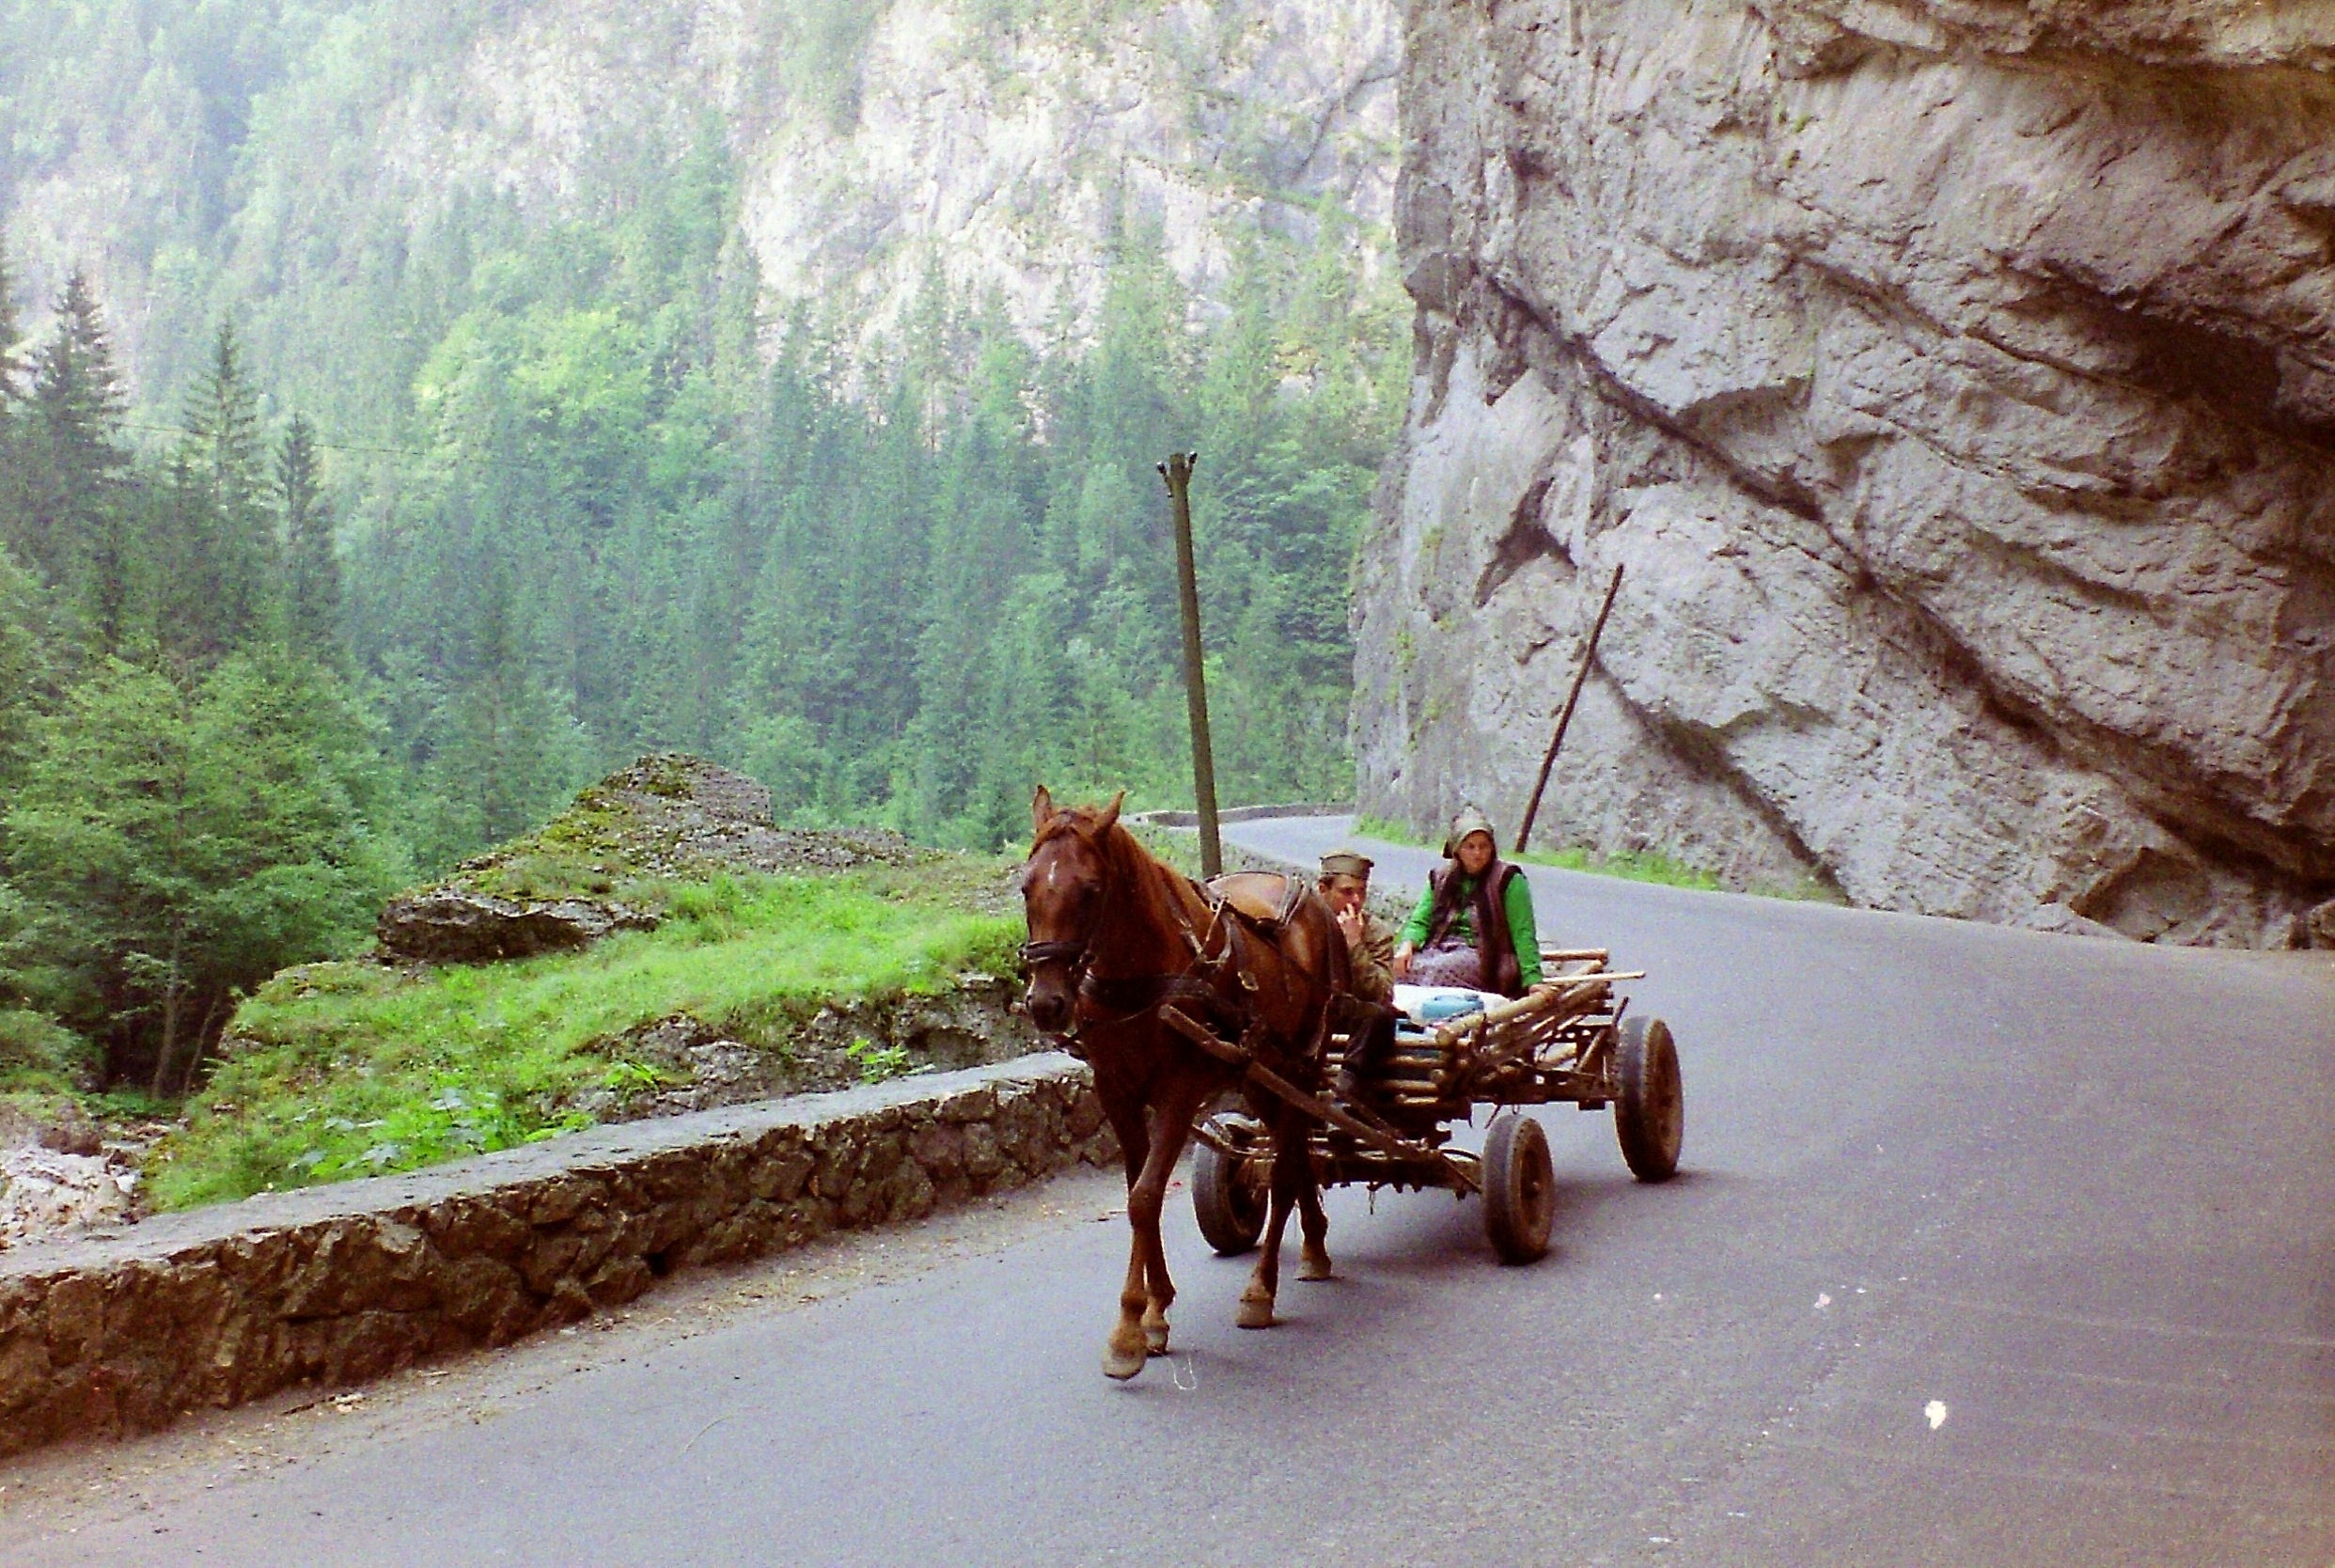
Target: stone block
[(360, 1265), (76, 1319), (485, 1298), (549, 1261), (939, 1147), (780, 1173), (562, 1199), (984, 1160), (618, 1281), (972, 1105)]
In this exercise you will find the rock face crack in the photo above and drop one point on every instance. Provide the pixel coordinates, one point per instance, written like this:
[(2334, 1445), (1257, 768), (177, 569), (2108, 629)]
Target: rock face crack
[(1952, 384)]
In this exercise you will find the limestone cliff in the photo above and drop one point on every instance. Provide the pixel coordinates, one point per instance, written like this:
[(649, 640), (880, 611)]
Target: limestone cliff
[(1956, 381), (875, 144)]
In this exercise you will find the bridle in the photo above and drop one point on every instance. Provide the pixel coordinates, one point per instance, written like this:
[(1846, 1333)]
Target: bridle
[(1077, 954), (1131, 996)]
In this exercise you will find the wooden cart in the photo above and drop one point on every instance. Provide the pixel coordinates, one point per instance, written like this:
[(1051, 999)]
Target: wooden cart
[(1569, 1041)]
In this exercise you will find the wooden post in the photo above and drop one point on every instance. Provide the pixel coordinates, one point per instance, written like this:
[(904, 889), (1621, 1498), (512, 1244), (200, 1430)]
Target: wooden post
[(1564, 716), (1177, 472)]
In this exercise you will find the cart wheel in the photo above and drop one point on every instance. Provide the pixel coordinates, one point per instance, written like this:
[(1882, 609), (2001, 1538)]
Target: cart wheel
[(1232, 1213), (1650, 1118), (1519, 1190)]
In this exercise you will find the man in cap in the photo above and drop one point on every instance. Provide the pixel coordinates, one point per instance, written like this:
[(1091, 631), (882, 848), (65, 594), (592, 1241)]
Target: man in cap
[(1364, 1015), (1370, 941)]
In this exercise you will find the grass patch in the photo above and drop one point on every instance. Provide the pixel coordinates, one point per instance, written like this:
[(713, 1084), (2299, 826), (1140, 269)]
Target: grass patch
[(1629, 865), (352, 1069)]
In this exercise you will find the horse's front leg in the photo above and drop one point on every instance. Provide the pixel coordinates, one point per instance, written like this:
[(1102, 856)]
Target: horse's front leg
[(1170, 1130), (1124, 1352), (1158, 1290)]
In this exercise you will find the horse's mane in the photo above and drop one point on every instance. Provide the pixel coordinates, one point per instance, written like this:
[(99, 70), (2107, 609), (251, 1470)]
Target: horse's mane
[(1132, 867)]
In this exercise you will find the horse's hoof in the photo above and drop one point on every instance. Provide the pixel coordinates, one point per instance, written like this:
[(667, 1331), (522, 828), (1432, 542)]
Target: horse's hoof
[(1256, 1312), (1315, 1266), (1155, 1340), (1122, 1364)]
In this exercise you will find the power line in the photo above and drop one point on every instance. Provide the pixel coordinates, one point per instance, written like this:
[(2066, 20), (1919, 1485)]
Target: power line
[(328, 445)]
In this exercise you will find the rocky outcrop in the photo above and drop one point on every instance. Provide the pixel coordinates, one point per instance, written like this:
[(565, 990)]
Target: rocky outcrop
[(340, 1284), (46, 1192), (449, 925), (698, 1066), (668, 816), (1958, 384)]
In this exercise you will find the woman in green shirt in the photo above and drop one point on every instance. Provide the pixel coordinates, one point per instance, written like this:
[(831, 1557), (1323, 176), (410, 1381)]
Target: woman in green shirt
[(1473, 926)]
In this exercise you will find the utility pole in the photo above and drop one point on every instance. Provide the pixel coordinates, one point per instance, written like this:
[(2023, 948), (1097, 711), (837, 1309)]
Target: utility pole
[(1177, 472), (1580, 674)]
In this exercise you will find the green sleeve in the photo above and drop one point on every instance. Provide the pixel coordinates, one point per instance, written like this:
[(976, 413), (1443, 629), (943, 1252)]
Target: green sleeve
[(1522, 933), (1415, 928)]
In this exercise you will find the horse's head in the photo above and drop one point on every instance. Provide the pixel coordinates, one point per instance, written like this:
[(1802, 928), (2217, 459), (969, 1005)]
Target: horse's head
[(1065, 885)]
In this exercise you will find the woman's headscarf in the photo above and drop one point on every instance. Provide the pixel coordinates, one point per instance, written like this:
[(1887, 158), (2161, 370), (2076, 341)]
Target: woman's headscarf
[(1470, 819)]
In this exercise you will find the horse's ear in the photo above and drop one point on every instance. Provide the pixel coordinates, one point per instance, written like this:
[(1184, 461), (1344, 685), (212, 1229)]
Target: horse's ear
[(1110, 813), (1040, 810)]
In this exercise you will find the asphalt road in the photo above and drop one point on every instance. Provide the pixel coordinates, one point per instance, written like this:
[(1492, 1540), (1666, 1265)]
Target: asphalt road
[(1990, 1248)]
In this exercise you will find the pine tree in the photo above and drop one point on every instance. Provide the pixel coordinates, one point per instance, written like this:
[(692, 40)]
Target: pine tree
[(15, 373), (76, 470), (505, 749), (314, 587), (223, 423), (14, 456), (231, 547)]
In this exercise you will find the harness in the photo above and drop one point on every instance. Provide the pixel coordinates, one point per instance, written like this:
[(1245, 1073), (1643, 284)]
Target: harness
[(1127, 998)]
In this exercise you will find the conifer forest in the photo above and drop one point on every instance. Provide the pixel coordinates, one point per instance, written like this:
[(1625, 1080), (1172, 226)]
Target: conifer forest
[(375, 564)]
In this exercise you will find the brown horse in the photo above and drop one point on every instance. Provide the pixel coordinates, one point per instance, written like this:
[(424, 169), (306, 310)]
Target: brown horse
[(1116, 937)]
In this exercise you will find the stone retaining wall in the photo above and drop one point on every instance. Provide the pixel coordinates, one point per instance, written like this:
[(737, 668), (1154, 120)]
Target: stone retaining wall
[(336, 1285)]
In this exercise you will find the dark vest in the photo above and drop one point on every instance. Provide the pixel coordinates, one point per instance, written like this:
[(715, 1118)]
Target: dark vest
[(1495, 949)]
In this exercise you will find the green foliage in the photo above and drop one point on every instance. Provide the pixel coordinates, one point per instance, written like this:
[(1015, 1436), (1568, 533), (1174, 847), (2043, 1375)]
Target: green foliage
[(312, 580), (14, 369), (72, 498), (174, 843), (39, 1054), (876, 1063), (1629, 865), (568, 498), (350, 1069), (32, 646), (586, 516)]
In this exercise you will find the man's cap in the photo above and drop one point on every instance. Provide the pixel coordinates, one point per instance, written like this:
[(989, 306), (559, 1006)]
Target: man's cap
[(1345, 863), (1470, 819)]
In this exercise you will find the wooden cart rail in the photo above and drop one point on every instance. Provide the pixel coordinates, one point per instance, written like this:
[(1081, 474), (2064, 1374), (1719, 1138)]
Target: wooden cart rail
[(1379, 1138)]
